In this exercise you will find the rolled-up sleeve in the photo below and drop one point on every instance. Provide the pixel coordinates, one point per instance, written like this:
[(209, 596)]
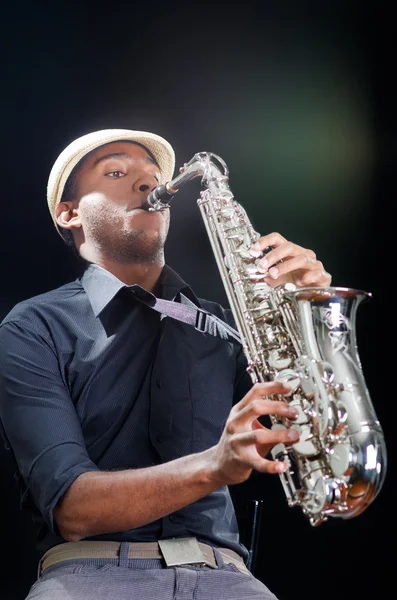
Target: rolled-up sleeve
[(38, 418)]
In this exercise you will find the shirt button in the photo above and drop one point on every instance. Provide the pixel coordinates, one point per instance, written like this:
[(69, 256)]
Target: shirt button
[(173, 518), (159, 438), (159, 383)]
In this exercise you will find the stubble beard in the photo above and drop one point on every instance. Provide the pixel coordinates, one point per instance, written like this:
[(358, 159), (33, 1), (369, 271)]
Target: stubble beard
[(129, 246)]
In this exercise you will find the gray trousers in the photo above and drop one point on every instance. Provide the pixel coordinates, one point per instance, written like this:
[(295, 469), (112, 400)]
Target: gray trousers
[(145, 579)]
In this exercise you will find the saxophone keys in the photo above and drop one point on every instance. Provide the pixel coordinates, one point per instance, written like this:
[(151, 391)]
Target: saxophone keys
[(288, 377), (263, 309), (306, 446), (261, 290), (302, 416), (256, 254), (227, 211), (244, 253), (280, 359), (340, 459), (252, 271), (279, 451)]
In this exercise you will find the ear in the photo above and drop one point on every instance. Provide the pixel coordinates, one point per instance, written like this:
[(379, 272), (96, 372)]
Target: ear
[(67, 216)]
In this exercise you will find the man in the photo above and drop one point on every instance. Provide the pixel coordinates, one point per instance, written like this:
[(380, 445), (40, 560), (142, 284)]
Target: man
[(128, 426)]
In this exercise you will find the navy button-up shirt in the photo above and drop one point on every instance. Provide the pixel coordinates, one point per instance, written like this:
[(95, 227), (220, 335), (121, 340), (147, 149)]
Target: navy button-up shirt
[(93, 379)]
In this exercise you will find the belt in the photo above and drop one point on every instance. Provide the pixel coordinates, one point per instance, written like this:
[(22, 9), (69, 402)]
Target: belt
[(174, 552)]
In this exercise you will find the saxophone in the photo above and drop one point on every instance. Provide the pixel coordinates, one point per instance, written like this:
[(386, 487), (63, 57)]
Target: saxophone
[(304, 337)]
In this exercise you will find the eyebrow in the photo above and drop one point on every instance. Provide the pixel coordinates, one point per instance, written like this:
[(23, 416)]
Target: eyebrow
[(123, 155)]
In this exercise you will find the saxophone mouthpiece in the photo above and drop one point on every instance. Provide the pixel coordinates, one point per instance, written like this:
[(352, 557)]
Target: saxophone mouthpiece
[(159, 198)]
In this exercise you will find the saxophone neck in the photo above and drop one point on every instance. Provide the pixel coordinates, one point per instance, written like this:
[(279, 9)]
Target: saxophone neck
[(203, 164)]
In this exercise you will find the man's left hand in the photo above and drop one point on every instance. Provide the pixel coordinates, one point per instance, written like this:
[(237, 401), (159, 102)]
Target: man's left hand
[(287, 262)]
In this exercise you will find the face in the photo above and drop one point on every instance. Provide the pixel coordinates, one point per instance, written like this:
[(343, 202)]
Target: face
[(111, 186)]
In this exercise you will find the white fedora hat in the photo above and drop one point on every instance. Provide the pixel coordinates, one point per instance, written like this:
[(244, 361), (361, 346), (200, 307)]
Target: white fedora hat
[(78, 149)]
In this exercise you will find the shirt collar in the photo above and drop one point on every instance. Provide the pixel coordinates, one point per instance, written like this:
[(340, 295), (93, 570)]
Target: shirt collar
[(101, 286)]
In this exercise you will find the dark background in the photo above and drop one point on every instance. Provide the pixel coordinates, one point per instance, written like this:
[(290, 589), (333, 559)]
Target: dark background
[(299, 102)]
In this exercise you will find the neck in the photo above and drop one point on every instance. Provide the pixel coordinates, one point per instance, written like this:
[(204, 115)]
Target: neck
[(145, 273), (146, 276)]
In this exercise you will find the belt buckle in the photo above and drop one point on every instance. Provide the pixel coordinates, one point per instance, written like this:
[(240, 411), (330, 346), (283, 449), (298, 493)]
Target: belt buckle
[(182, 551)]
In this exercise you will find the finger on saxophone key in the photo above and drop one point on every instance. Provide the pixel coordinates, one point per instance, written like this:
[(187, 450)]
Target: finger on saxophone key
[(263, 265), (292, 435), (291, 412), (283, 409), (281, 466)]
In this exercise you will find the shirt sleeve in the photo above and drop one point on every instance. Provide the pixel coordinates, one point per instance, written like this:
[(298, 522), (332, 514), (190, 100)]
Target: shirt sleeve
[(38, 419)]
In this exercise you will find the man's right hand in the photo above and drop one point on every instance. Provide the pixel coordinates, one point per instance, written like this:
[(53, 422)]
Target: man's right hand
[(245, 442), (87, 508)]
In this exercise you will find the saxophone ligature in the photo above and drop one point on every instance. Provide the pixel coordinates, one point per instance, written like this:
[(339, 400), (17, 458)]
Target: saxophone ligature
[(305, 337)]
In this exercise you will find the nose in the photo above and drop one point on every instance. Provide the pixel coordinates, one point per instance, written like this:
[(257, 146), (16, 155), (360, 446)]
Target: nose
[(144, 183)]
